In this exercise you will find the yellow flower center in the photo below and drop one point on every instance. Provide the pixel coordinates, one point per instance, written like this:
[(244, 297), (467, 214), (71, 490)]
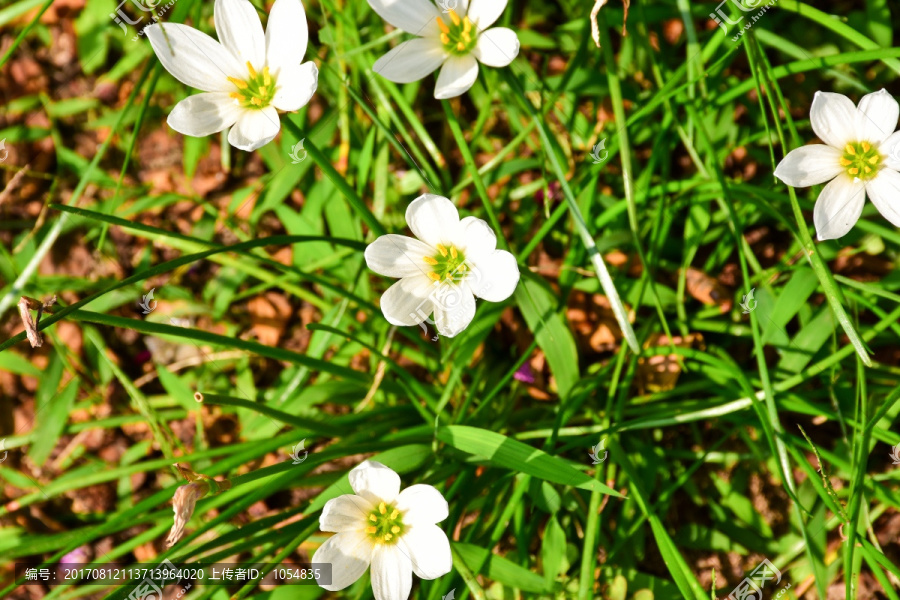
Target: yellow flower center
[(386, 524), (448, 265), (861, 160), (460, 36), (256, 91)]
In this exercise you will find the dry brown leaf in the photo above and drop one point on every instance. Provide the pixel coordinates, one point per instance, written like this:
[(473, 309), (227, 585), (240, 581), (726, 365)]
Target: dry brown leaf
[(270, 314), (660, 373), (706, 289)]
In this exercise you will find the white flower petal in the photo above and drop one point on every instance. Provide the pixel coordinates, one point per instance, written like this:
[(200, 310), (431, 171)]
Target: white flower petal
[(418, 17), (408, 302), (287, 35), (429, 551), (476, 237), (457, 75), (878, 114), (345, 513), (809, 165), (890, 150), (255, 129), (398, 256), (204, 114), (296, 85), (194, 58), (884, 190), (838, 207), (349, 553), (497, 47), (391, 573), (240, 31), (484, 13), (494, 277), (454, 309), (422, 504), (375, 482), (433, 219), (834, 119), (411, 61)]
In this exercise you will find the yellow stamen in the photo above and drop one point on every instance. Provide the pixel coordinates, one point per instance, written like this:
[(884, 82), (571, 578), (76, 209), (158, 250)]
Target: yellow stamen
[(251, 69), (454, 17), (387, 537), (466, 37), (395, 529), (442, 249), (236, 96), (853, 171), (256, 102), (382, 508), (460, 46), (866, 146), (867, 169), (430, 260), (394, 515), (240, 83), (434, 276), (373, 518), (845, 162), (873, 160), (267, 77), (850, 149), (445, 38), (467, 25), (443, 25), (453, 252), (371, 529)]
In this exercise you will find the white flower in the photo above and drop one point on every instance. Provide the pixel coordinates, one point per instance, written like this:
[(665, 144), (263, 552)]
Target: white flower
[(390, 530), (861, 155), (441, 272), (245, 77), (457, 43)]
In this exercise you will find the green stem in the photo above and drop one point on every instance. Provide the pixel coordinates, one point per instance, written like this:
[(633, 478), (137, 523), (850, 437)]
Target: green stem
[(337, 179), (473, 171), (832, 291), (606, 282)]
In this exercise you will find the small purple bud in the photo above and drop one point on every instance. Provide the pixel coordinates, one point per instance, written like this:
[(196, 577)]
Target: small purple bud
[(524, 374)]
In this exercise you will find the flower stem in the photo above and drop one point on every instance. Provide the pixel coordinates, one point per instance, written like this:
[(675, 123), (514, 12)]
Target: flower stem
[(832, 292)]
